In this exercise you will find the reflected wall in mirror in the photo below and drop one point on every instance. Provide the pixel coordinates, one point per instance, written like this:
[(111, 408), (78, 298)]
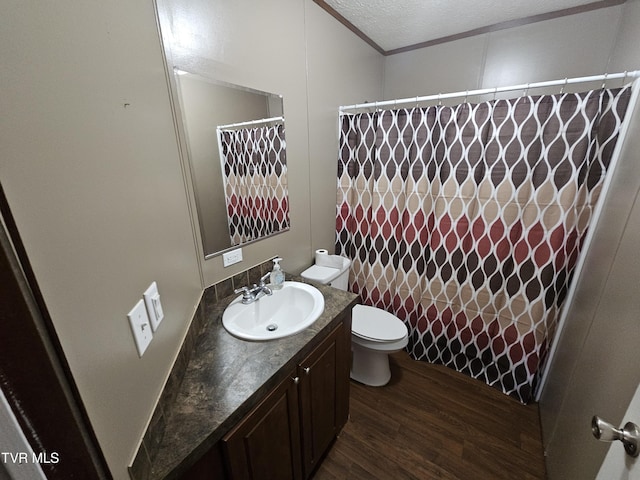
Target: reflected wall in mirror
[(237, 152)]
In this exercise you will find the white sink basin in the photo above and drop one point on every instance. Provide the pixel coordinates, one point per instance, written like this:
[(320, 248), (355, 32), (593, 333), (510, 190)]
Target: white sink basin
[(286, 312)]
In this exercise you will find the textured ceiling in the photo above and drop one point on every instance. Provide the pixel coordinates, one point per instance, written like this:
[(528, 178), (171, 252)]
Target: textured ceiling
[(390, 25)]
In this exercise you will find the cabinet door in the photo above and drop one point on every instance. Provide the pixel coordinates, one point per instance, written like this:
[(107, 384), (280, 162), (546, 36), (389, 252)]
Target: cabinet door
[(266, 444), (209, 467), (324, 395)]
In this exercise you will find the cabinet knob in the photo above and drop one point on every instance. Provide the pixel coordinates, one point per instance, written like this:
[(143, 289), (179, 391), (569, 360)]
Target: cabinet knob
[(296, 380), (307, 370)]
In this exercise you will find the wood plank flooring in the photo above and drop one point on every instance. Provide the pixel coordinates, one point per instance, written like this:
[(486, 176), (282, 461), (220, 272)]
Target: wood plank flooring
[(432, 422)]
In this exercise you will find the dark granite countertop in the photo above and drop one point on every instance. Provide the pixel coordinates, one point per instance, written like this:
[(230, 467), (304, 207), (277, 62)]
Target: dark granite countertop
[(226, 377)]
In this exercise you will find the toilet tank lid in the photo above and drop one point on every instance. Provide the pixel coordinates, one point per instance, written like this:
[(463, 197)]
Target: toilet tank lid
[(320, 274)]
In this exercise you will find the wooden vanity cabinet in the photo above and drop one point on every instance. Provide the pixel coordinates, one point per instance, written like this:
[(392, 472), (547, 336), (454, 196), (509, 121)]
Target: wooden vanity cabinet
[(286, 435), (266, 443), (324, 395)]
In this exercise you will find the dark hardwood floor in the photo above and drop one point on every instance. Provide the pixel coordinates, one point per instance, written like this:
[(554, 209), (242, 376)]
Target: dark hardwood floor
[(432, 422)]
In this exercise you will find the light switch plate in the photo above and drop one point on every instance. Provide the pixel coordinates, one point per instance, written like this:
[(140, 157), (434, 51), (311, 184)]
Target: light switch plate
[(234, 256), (140, 327), (154, 307)]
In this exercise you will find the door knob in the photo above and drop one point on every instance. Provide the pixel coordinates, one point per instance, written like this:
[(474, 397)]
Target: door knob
[(629, 435)]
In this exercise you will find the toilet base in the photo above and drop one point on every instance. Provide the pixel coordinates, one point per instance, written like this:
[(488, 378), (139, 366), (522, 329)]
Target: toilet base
[(370, 367)]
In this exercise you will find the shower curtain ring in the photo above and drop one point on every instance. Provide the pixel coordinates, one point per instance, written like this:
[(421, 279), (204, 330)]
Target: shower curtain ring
[(525, 91), (564, 85), (439, 100), (466, 96), (495, 91), (624, 78), (604, 81)]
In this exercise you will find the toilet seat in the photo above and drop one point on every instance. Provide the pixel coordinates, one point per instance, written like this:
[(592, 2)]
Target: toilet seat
[(375, 325), (375, 334)]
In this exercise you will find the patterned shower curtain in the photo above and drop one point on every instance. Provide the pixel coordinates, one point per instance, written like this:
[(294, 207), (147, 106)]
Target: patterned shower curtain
[(255, 177), (467, 222)]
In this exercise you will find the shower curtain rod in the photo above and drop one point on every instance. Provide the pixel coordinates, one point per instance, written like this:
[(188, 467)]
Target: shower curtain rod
[(495, 90), (251, 122)]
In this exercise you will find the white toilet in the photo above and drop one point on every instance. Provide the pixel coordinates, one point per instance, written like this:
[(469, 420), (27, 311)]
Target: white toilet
[(375, 333)]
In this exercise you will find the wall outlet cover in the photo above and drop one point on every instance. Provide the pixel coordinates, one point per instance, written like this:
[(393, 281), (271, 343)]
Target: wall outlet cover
[(154, 307), (140, 327), (234, 256)]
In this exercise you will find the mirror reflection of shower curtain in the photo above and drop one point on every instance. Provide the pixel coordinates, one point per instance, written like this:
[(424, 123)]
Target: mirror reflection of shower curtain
[(255, 179), (467, 222)]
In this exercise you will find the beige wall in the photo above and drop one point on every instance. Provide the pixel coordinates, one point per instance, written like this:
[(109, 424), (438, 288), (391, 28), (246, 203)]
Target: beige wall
[(259, 46), (349, 72), (92, 170), (593, 355), (295, 49), (564, 47), (89, 162), (595, 371)]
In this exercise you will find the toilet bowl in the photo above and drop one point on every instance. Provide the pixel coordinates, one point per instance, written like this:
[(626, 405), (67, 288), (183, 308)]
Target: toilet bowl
[(375, 333)]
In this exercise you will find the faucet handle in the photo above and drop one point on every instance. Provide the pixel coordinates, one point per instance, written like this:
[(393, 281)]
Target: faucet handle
[(247, 293), (263, 279)]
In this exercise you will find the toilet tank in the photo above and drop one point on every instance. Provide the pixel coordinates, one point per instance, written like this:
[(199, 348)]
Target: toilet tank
[(341, 282), (335, 277)]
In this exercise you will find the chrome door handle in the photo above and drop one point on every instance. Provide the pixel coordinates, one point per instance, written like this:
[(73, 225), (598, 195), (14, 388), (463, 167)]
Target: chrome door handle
[(629, 435)]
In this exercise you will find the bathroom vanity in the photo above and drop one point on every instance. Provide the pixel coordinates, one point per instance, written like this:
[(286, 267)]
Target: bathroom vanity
[(251, 410), (287, 433)]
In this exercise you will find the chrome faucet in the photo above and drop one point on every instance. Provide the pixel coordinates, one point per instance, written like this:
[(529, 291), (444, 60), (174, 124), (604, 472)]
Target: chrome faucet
[(251, 294)]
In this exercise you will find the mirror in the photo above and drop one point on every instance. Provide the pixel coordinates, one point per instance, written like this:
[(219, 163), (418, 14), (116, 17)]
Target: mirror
[(237, 152)]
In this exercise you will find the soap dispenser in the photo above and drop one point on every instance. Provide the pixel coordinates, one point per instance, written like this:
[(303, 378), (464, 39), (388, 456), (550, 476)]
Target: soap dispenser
[(277, 275)]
